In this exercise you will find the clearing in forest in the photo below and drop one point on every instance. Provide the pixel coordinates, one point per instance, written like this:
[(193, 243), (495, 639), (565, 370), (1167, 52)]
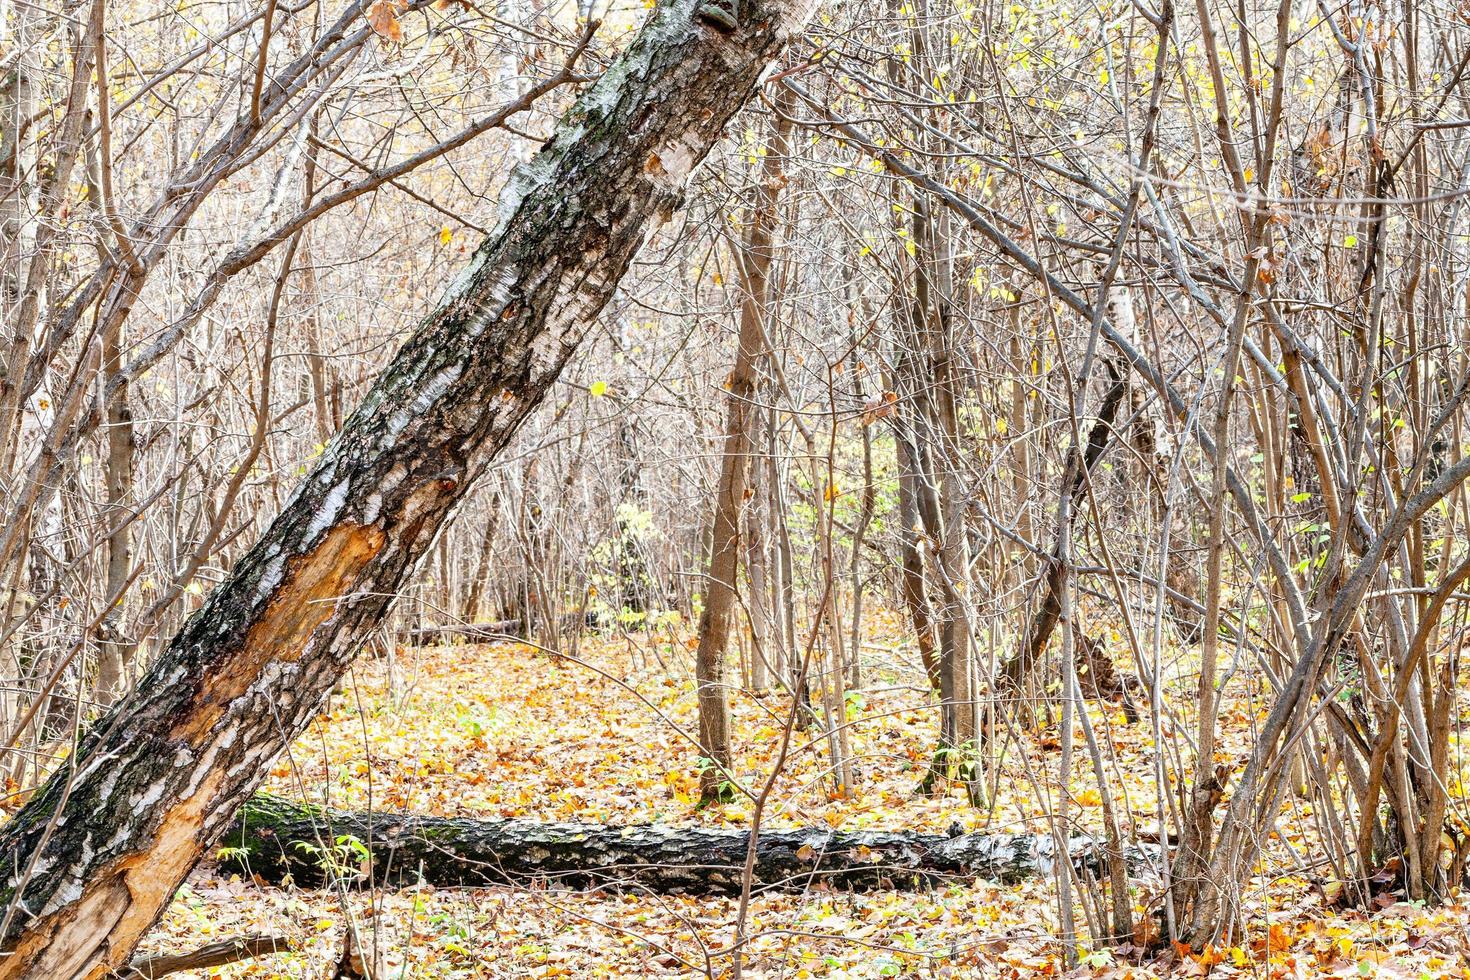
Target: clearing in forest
[(508, 731)]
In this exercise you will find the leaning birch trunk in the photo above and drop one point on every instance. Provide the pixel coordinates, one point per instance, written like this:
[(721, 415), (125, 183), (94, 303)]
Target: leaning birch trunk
[(91, 862)]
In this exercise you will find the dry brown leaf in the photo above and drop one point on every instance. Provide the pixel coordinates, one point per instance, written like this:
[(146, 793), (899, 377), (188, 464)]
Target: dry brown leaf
[(382, 17)]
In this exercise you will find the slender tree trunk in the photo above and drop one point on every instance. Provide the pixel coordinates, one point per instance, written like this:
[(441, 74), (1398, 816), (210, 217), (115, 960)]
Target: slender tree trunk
[(321, 374), (18, 206), (720, 605), (783, 574), (37, 235), (17, 152), (911, 581), (115, 648), (93, 859), (942, 480), (475, 599), (855, 568), (1018, 668), (757, 604), (634, 593)]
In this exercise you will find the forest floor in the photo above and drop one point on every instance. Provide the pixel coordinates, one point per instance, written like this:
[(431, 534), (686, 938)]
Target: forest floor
[(507, 731)]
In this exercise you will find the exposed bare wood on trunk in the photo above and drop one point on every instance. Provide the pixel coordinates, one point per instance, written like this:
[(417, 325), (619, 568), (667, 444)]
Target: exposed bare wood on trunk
[(95, 856)]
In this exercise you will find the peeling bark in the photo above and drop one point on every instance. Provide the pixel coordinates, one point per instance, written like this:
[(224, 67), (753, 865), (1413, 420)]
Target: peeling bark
[(91, 861), (274, 838)]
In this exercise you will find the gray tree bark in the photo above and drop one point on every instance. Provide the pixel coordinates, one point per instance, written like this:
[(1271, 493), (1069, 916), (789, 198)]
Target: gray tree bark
[(274, 838), (114, 650), (90, 863)]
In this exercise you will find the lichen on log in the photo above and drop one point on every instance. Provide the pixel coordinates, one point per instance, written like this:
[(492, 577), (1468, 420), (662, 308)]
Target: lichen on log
[(278, 840)]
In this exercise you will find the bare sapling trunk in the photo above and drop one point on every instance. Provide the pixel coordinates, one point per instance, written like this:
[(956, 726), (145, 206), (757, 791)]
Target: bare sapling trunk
[(757, 605), (865, 519), (476, 592), (935, 434), (1210, 896), (92, 861), (1018, 669), (915, 594), (115, 649), (912, 589), (939, 444), (720, 602)]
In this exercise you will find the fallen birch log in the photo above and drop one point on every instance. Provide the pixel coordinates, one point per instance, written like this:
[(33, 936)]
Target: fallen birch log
[(465, 632), (276, 839)]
